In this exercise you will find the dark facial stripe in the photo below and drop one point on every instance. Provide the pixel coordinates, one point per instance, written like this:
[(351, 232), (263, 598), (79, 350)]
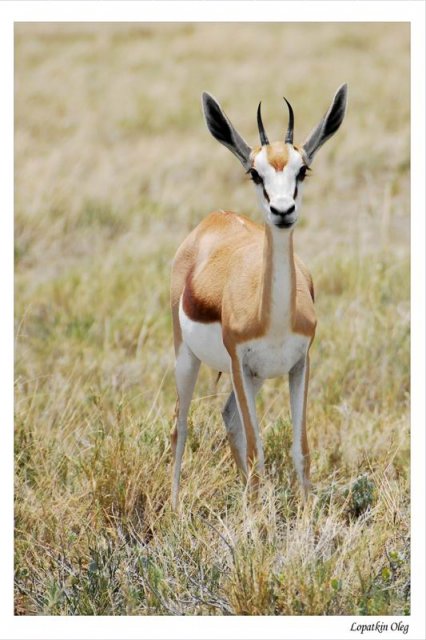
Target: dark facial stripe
[(255, 176), (300, 178), (257, 179)]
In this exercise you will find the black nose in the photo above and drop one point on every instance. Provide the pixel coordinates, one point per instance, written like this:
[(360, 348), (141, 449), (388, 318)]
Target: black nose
[(287, 212)]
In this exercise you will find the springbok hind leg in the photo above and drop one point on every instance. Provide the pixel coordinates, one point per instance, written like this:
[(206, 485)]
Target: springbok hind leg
[(235, 429), (245, 387), (298, 379), (186, 371), (235, 433)]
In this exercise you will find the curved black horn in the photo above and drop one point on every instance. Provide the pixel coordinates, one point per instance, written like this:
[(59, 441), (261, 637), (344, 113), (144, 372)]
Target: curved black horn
[(290, 129), (262, 133)]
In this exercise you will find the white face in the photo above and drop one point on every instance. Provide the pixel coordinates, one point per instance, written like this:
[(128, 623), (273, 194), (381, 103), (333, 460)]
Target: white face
[(278, 172)]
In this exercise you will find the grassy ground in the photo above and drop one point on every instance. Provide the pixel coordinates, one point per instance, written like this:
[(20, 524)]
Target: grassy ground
[(113, 167)]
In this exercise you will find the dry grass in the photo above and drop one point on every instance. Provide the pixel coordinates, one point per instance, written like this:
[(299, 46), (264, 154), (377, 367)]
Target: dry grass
[(113, 167)]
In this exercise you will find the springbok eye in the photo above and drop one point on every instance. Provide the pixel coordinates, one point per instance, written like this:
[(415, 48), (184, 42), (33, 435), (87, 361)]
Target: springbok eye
[(302, 173), (255, 177)]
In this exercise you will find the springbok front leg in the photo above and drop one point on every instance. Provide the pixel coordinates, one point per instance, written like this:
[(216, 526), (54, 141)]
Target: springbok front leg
[(187, 367), (250, 449), (298, 380)]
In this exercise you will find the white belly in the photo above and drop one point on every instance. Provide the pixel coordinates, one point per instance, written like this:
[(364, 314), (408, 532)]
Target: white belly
[(267, 358), (205, 341), (264, 357)]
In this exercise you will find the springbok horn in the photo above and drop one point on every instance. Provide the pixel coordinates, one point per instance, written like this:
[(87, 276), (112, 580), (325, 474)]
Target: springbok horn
[(262, 134), (289, 134)]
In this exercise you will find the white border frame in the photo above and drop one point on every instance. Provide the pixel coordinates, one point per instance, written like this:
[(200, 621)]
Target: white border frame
[(159, 627)]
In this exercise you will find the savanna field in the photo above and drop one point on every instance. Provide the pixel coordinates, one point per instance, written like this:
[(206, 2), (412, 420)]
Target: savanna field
[(113, 167)]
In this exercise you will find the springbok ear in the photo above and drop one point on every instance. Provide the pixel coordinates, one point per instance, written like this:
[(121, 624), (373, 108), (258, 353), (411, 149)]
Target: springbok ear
[(328, 125), (222, 129)]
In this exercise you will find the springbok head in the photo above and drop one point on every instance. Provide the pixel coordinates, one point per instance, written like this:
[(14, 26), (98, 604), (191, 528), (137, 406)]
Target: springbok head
[(278, 169)]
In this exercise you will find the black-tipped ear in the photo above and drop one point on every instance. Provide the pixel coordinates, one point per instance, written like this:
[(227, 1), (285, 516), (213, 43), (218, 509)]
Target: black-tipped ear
[(222, 129), (328, 125)]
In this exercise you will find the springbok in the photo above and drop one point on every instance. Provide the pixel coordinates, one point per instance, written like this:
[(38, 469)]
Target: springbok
[(242, 301)]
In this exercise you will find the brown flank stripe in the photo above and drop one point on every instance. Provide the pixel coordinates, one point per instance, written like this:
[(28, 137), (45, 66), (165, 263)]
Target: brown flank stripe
[(197, 309)]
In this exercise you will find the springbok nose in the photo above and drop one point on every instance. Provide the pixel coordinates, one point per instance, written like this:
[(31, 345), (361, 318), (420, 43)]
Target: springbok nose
[(279, 212)]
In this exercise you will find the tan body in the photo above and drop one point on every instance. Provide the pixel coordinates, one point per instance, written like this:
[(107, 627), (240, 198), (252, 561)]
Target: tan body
[(226, 279), (226, 261), (241, 301)]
